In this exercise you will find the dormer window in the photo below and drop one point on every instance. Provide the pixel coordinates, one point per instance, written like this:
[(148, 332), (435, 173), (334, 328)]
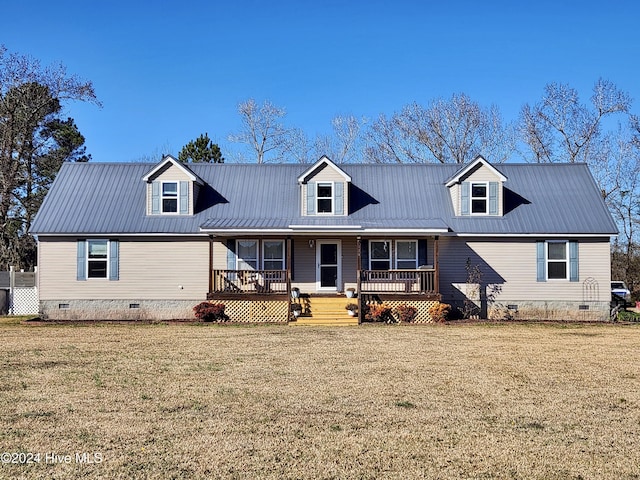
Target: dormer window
[(477, 189), (479, 198), (171, 188), (324, 197), (324, 189), (170, 197)]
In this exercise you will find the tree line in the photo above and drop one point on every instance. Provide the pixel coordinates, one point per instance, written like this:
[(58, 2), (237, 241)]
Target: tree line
[(36, 138)]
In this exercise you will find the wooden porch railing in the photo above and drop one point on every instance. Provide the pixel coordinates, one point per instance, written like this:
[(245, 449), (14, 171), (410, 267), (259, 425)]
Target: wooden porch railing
[(421, 281), (250, 281)]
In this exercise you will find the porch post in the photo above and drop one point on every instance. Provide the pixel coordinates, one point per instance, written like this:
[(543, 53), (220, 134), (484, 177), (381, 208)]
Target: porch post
[(289, 299), (289, 265), (436, 274), (210, 263)]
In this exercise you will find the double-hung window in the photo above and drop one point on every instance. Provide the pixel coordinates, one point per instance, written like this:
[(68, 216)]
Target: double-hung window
[(479, 198), (247, 255), (380, 255), (324, 197), (97, 258), (273, 254), (169, 197), (406, 254), (557, 260)]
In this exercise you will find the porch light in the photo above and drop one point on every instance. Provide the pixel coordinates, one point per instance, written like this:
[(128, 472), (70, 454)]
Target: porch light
[(312, 243)]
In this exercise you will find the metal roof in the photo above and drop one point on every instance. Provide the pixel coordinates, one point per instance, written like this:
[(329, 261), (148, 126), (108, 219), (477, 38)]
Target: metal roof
[(109, 199)]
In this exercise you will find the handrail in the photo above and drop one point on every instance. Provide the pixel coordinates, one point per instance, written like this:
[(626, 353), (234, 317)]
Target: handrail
[(250, 281), (420, 281)]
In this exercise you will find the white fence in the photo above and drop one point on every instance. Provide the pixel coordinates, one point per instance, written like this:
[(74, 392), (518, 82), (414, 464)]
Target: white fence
[(21, 296)]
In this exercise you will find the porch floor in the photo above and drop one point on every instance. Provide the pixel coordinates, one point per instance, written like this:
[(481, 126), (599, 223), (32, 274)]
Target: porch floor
[(324, 310)]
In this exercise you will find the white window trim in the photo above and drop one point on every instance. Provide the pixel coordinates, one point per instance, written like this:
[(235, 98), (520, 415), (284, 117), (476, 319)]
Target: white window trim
[(108, 259), (332, 198), (371, 259), (162, 197), (409, 240), (486, 198), (547, 260), (284, 253), (238, 257)]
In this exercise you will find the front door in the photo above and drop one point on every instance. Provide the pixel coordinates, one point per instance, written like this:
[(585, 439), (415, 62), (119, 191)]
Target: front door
[(328, 262)]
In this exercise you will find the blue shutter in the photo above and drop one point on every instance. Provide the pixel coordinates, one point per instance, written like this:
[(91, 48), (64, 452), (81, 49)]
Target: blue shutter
[(311, 198), (155, 198), (493, 198), (82, 260), (184, 198), (364, 254), (422, 252), (573, 262), (231, 254), (540, 262), (113, 260), (339, 198), (465, 192)]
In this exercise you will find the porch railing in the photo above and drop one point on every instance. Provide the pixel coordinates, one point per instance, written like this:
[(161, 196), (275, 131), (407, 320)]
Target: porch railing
[(250, 281), (421, 281)]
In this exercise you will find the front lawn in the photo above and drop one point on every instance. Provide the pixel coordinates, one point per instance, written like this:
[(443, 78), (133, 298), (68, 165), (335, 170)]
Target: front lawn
[(435, 401)]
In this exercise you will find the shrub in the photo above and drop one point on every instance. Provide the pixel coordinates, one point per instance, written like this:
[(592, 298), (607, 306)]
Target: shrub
[(626, 316), (439, 312), (406, 313), (210, 312), (352, 306), (379, 312)]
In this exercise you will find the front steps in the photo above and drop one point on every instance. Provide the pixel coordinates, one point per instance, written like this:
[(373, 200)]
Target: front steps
[(324, 310)]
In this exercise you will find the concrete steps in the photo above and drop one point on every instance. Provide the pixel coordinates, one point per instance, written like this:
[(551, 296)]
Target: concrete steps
[(325, 310)]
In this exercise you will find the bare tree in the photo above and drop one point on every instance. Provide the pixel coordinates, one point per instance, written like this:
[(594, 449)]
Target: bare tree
[(263, 131), (561, 129), (299, 148), (447, 131)]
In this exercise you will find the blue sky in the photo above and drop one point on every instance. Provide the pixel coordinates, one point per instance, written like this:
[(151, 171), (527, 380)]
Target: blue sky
[(167, 71)]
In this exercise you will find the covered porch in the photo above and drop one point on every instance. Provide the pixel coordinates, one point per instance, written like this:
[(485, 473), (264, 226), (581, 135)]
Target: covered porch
[(321, 266)]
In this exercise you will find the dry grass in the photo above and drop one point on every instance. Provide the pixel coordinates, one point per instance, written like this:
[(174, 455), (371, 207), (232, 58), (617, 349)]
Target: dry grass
[(184, 401)]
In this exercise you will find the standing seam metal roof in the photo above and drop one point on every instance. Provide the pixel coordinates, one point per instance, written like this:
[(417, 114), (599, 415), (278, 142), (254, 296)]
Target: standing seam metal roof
[(109, 198)]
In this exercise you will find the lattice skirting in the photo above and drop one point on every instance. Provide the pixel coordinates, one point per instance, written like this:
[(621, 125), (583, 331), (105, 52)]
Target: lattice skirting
[(255, 311), (24, 301), (423, 307)]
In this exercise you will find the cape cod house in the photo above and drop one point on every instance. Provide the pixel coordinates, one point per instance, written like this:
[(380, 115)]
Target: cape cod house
[(142, 241)]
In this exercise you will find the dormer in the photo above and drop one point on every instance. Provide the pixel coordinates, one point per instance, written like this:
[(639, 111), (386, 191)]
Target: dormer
[(477, 189), (324, 189), (172, 188)]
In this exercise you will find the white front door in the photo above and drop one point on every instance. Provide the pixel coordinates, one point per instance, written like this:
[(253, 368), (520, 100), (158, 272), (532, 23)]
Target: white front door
[(328, 265)]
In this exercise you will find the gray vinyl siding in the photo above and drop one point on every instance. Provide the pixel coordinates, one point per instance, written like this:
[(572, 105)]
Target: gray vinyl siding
[(149, 268), (510, 265)]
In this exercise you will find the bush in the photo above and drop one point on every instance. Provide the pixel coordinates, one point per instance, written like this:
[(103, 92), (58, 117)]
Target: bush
[(406, 313), (352, 306), (379, 312), (626, 316), (439, 312), (210, 312)]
